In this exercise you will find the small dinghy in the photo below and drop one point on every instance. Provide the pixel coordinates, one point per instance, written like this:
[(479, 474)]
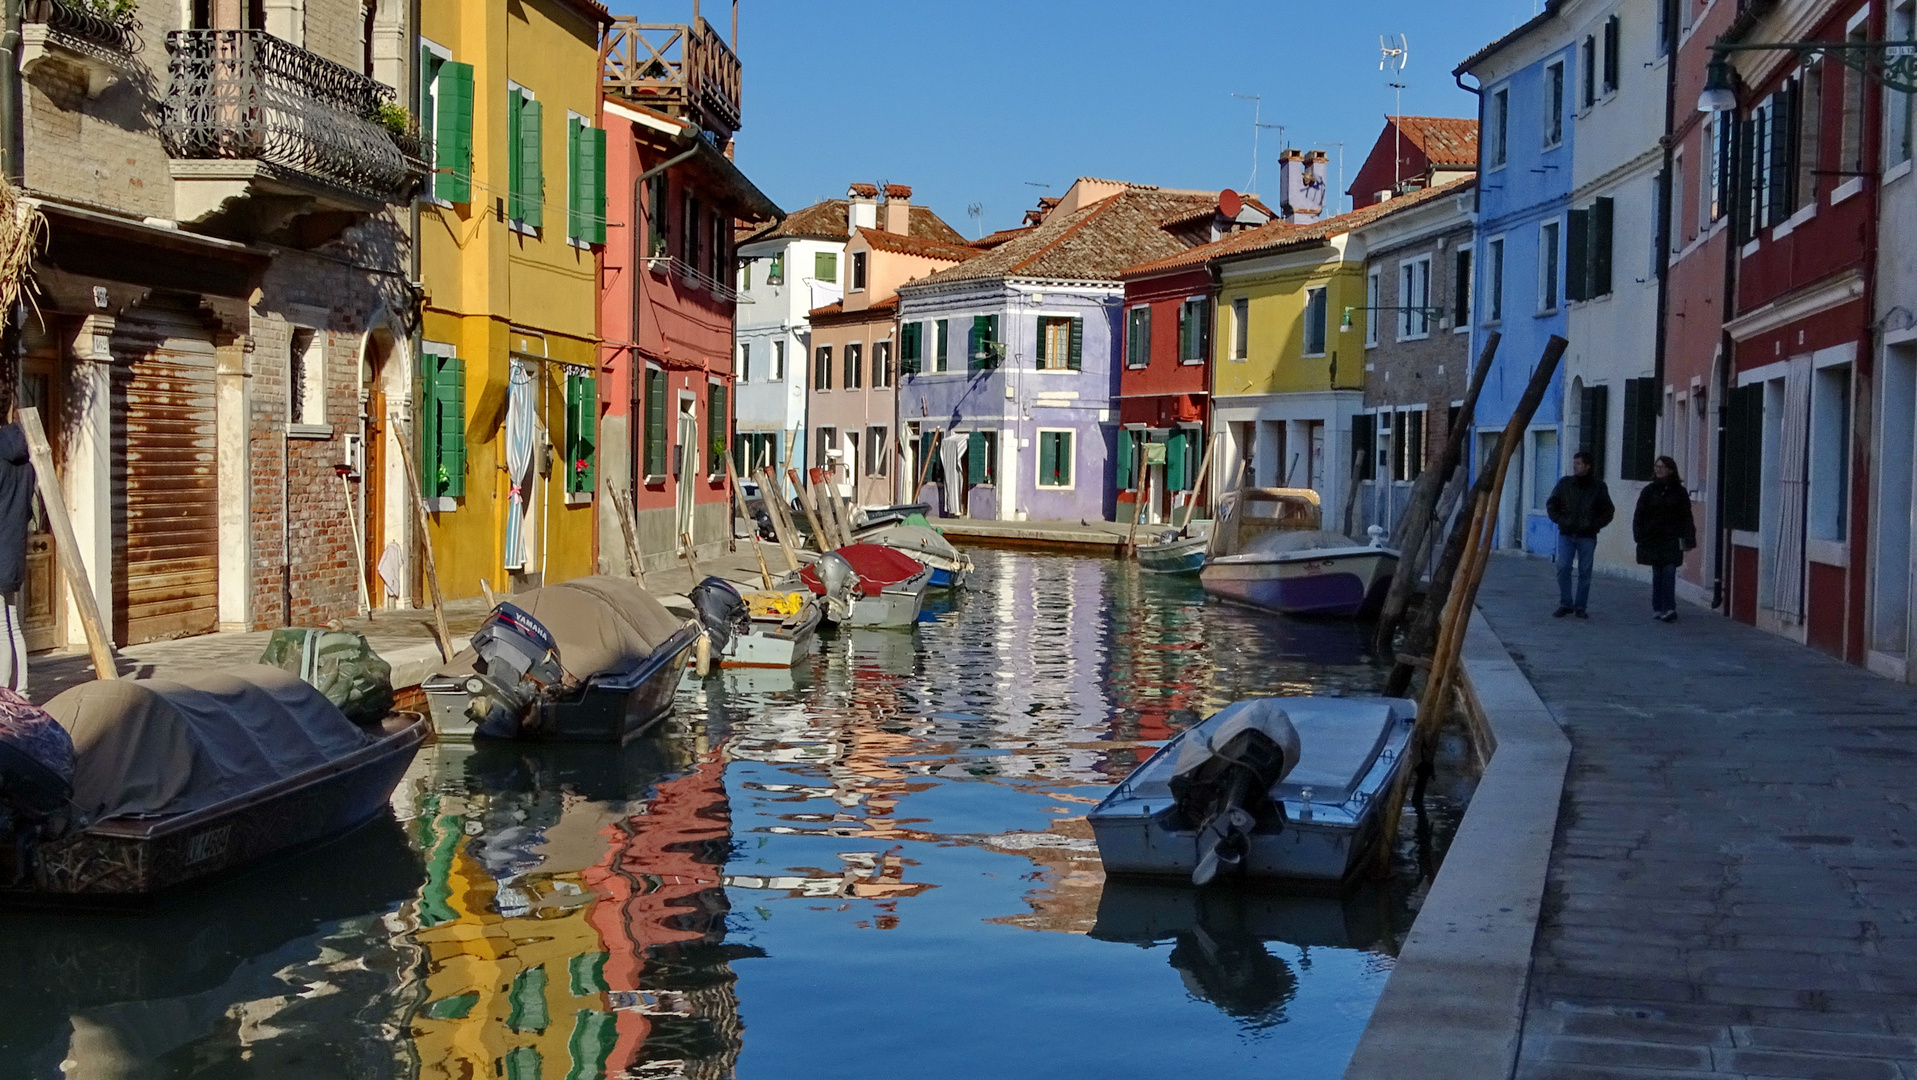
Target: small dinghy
[(124, 787), (950, 566), (596, 659), (1176, 551), (767, 629), (1268, 551), (868, 518), (1284, 788), (869, 585)]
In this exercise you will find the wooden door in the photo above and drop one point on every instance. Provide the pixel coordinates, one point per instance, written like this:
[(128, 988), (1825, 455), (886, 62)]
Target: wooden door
[(41, 608), (372, 491)]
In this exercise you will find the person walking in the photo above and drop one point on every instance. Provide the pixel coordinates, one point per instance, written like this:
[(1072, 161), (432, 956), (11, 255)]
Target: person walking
[(1664, 531), (1580, 506), (16, 509)]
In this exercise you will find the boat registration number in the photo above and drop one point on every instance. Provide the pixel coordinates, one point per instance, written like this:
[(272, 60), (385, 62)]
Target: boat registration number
[(211, 844)]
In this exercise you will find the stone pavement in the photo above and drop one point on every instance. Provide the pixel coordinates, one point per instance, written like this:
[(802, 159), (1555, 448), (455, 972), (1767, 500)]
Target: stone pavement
[(1733, 886)]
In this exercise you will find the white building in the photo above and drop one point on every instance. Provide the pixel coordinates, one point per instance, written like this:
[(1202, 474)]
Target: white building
[(785, 272)]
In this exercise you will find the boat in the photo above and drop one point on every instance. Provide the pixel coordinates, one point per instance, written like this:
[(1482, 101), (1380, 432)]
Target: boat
[(868, 585), (764, 628), (950, 566), (869, 518), (1286, 788), (595, 659), (1268, 550), (168, 781), (1176, 551)]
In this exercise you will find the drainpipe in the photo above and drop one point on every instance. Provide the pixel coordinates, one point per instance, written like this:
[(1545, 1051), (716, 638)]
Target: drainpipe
[(1727, 356), (11, 155), (416, 286)]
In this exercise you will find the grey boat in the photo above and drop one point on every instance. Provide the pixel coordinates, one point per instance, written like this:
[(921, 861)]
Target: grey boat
[(1286, 788)]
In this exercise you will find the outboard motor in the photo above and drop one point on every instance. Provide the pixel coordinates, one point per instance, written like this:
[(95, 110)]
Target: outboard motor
[(722, 611), (841, 584), (36, 782), (517, 659), (1224, 796)]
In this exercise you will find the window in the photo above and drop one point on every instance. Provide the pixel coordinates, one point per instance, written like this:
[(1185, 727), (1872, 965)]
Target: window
[(1055, 459), (1897, 103), (1593, 421), (745, 274), (1809, 95), (1744, 457), (1240, 328), (751, 450), (1639, 451), (1612, 57), (442, 422), (1414, 298), (981, 457), (985, 347), (825, 267), (1709, 164), (827, 438), (778, 361), (745, 361), (306, 380), (721, 245), (1856, 86), (911, 345), (1061, 343), (1315, 322), (1588, 258), (582, 430), (938, 343), (858, 270), (1671, 215), (1138, 336), (1553, 104), (446, 115), (1498, 113), (1408, 448), (1545, 467), (854, 367), (690, 233), (657, 245), (877, 455), (586, 184), (775, 269), (1364, 445), (1494, 281), (1194, 330), (1548, 266), (1830, 453), (822, 368), (1667, 25), (882, 366), (1461, 289), (1373, 282), (1587, 72), (657, 417), (525, 179)]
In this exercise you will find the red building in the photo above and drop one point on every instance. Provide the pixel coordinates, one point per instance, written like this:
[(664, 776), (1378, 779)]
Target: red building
[(1796, 465), (667, 294), (1415, 152), (1164, 386)]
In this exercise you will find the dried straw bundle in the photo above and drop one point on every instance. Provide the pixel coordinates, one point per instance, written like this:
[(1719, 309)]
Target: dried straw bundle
[(22, 230)]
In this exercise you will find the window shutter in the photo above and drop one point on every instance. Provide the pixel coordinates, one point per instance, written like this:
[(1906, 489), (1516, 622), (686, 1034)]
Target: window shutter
[(1075, 359), (1611, 59), (1779, 171), (570, 449), (1633, 420), (453, 157), (975, 457), (452, 428), (1048, 458), (943, 334), (1577, 257), (532, 177), (1744, 457), (1124, 460), (515, 159), (575, 154), (595, 177), (1594, 424), (1064, 454), (981, 334), (1602, 212), (1461, 288), (825, 266), (1043, 340), (991, 334), (655, 422), (1184, 330), (429, 391), (429, 64), (589, 431), (1175, 461), (1364, 443), (717, 417)]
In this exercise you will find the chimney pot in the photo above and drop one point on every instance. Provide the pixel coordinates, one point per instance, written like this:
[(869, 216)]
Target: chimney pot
[(898, 209)]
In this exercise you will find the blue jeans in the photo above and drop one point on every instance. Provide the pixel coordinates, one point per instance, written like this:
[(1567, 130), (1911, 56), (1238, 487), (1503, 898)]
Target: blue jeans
[(1664, 588), (1583, 549)]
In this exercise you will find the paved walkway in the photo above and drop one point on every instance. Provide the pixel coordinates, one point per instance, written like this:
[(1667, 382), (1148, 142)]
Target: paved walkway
[(1733, 887)]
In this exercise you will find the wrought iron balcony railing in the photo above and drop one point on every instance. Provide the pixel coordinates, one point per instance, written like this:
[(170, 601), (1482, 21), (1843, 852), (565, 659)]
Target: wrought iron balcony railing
[(77, 19), (688, 71), (697, 278), (247, 95)]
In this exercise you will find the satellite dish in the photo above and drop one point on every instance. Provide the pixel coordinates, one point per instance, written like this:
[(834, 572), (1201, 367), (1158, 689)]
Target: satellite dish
[(1229, 203), (1393, 56)]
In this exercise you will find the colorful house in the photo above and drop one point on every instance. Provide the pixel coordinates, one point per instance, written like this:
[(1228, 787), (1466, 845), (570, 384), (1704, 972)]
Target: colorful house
[(1413, 153), (668, 297), (510, 234), (1011, 409), (858, 348)]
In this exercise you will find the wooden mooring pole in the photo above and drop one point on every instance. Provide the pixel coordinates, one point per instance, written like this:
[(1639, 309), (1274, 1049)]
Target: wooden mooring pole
[(66, 546)]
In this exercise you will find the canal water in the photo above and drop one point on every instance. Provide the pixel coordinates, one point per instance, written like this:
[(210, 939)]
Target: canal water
[(879, 860)]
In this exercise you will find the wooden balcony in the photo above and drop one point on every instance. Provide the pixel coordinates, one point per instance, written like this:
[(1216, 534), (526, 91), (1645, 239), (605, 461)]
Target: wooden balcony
[(684, 71)]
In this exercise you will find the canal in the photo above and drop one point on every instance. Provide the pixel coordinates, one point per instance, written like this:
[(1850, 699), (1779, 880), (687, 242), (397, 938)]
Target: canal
[(879, 860)]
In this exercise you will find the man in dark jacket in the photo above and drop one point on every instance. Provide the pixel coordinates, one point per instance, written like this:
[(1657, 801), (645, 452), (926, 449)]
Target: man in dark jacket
[(16, 509), (1580, 506)]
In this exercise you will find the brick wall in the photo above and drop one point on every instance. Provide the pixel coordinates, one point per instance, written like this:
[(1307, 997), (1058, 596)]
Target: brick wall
[(1430, 371), (103, 150)]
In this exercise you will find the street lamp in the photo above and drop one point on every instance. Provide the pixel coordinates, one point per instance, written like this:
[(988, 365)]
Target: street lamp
[(1889, 63), (1719, 95)]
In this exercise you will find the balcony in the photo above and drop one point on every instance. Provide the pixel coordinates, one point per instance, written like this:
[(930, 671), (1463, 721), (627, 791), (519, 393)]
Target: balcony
[(697, 278), (98, 40), (264, 131), (684, 71)]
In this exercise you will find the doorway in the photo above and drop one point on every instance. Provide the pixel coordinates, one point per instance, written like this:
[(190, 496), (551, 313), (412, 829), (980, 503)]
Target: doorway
[(688, 463), (42, 611), (1896, 502)]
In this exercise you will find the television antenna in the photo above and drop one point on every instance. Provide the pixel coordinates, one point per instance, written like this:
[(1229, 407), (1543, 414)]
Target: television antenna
[(1393, 58), (1257, 109), (977, 212)]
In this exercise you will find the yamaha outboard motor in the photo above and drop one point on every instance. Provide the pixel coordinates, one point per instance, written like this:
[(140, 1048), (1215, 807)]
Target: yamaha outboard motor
[(517, 658), (1225, 794), (841, 584), (722, 611), (36, 781)]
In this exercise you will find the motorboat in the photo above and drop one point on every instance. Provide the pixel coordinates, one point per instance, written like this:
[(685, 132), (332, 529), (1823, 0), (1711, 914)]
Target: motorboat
[(950, 566), (765, 628), (122, 788), (1268, 550), (595, 659), (869, 585), (1286, 788), (1176, 551), (868, 518)]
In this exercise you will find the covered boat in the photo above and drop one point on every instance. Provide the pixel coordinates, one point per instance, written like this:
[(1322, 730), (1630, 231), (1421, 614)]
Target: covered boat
[(766, 628), (1265, 788), (1176, 551), (1268, 550), (868, 518), (869, 585), (595, 659), (950, 566), (174, 780)]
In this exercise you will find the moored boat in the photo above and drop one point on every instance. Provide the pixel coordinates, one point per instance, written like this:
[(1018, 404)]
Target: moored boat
[(174, 780), (950, 566), (1267, 550), (1176, 551), (869, 585), (1287, 788), (766, 628)]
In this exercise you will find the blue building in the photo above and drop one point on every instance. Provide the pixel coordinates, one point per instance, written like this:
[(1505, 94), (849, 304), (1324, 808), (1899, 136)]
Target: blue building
[(1520, 253)]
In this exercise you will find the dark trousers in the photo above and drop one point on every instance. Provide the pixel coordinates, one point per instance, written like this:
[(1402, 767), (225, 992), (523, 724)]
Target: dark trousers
[(1582, 549), (1664, 588)]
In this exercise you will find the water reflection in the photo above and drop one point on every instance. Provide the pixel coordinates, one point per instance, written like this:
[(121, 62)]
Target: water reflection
[(884, 849)]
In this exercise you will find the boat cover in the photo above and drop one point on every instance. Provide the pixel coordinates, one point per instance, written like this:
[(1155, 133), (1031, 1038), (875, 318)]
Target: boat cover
[(601, 624), (1257, 714), (654, 623), (876, 565), (914, 540), (1287, 541), (164, 746), (341, 663)]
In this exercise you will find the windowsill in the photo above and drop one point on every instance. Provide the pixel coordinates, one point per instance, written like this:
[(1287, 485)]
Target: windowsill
[(1750, 248), (1493, 324), (1550, 146), (578, 498), (775, 284), (1312, 356), (1499, 167), (309, 431), (1544, 313), (434, 200), (1136, 367), (1790, 224), (523, 229), (1192, 362), (1462, 328), (1846, 189), (575, 242), (443, 504), (1897, 172), (1828, 552), (1371, 344), (1426, 336)]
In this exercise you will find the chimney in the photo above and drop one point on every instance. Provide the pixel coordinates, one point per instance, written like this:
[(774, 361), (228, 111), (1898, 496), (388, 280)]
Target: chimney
[(862, 209), (898, 209), (1301, 185)]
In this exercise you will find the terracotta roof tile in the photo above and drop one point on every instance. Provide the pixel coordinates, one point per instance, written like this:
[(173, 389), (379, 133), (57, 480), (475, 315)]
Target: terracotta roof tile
[(920, 246), (992, 240), (835, 314), (1092, 243), (870, 191), (1445, 140), (827, 221), (898, 191)]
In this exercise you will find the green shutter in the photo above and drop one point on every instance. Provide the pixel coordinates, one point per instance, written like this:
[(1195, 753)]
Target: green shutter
[(1075, 359), (452, 440), (975, 457), (575, 153), (587, 974), (595, 175), (582, 431), (980, 334), (1064, 454), (1175, 461), (825, 266), (429, 424), (991, 335), (944, 335), (716, 427), (594, 1035), (1577, 256), (429, 64), (515, 159), (1047, 458), (1039, 351), (527, 1001), (1124, 460), (532, 176), (453, 134), (655, 422), (524, 1063), (1602, 213)]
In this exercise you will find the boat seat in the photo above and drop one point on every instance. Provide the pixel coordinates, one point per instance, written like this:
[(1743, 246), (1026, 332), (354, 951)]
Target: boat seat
[(1339, 740)]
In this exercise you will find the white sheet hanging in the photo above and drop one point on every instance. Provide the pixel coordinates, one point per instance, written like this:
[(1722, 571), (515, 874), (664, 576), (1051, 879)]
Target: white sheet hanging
[(519, 455)]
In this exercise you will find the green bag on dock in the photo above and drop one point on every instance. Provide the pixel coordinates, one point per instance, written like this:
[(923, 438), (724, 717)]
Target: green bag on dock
[(338, 663)]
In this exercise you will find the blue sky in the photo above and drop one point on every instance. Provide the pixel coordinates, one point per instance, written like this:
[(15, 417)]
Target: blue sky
[(968, 102)]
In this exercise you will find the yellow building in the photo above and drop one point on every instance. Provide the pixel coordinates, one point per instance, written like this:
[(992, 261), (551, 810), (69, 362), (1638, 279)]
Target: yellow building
[(509, 236)]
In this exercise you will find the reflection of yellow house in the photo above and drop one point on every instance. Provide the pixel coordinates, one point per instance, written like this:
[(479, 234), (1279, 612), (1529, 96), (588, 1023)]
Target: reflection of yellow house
[(509, 232)]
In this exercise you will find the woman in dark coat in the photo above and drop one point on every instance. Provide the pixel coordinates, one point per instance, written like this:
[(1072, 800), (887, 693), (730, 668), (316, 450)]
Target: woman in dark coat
[(1664, 531)]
